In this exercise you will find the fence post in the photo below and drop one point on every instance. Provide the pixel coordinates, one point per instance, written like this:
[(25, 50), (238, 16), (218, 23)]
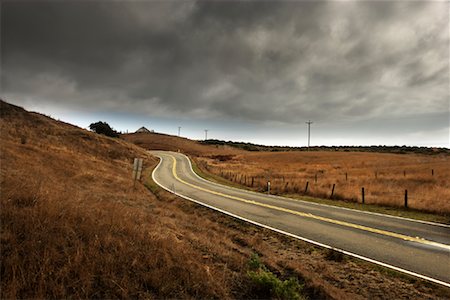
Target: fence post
[(332, 191), (268, 187), (406, 198), (315, 178), (432, 172), (362, 194), (306, 187), (345, 176)]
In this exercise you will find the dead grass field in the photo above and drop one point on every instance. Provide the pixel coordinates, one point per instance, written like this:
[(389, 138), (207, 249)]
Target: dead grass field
[(385, 177), (73, 226)]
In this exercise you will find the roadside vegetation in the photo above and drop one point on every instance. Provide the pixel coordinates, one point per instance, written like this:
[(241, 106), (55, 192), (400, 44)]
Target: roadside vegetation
[(73, 226)]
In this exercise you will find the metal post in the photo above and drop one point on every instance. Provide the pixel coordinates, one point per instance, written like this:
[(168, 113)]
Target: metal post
[(332, 191), (306, 188), (362, 195), (268, 187)]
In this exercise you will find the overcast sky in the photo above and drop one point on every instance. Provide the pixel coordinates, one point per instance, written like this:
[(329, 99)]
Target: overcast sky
[(365, 72)]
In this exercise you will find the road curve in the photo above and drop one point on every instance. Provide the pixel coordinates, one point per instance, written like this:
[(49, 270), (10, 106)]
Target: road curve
[(418, 248)]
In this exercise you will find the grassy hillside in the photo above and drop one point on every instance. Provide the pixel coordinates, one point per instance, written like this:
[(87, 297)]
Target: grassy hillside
[(73, 226)]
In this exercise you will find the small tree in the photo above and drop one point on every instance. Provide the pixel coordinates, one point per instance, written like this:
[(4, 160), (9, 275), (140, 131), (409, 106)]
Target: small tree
[(103, 128)]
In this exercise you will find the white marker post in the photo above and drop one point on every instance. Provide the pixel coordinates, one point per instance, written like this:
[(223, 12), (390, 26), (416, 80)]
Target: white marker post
[(268, 187), (137, 170)]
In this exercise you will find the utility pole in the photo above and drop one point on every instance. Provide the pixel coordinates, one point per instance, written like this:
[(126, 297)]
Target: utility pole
[(179, 129), (206, 134), (309, 131)]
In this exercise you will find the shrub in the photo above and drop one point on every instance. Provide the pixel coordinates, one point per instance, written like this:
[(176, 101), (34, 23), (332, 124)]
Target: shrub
[(255, 262), (266, 284), (103, 128)]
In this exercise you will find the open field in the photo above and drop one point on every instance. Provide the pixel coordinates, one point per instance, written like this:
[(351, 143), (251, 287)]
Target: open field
[(73, 226), (385, 177)]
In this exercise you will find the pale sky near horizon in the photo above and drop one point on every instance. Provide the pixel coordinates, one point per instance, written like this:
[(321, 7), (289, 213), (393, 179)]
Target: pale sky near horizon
[(365, 72)]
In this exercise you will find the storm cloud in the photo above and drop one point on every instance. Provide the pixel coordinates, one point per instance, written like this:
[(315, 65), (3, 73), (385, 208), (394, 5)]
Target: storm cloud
[(268, 62)]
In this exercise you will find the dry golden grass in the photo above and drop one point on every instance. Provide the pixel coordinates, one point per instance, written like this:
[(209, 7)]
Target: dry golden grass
[(385, 177), (73, 226)]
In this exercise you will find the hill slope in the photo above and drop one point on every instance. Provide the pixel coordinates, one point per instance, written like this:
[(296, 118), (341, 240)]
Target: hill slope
[(72, 225)]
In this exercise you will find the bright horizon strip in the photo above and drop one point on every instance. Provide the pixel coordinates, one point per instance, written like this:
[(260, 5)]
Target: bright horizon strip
[(311, 216)]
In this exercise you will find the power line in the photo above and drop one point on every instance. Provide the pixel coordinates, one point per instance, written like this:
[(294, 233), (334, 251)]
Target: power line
[(309, 131)]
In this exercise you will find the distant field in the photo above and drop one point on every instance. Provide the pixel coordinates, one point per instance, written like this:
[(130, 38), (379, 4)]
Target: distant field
[(385, 177)]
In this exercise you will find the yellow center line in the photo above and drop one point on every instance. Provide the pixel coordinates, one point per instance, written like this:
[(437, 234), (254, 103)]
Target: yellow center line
[(311, 216)]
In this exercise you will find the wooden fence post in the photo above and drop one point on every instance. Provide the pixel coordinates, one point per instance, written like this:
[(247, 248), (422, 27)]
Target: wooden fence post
[(362, 195), (306, 187), (332, 191), (406, 198)]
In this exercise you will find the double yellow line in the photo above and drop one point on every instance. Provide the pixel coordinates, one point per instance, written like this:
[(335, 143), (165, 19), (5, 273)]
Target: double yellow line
[(311, 216)]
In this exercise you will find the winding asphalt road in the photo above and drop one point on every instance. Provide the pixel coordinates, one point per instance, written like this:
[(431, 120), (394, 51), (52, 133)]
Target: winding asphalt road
[(418, 248)]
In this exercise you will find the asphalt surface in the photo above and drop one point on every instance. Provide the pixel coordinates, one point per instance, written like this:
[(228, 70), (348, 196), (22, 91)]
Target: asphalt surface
[(420, 249)]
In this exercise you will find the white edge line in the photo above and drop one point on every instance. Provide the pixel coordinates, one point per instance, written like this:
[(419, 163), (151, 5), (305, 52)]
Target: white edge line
[(314, 203), (298, 237)]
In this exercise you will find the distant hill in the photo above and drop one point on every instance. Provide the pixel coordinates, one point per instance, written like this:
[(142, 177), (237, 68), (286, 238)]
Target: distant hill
[(159, 141), (382, 149)]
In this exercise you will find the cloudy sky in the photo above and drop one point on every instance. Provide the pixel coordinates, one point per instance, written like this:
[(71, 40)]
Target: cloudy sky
[(365, 72)]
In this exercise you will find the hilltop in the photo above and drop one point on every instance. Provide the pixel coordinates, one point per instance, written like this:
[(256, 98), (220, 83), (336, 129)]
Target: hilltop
[(74, 225)]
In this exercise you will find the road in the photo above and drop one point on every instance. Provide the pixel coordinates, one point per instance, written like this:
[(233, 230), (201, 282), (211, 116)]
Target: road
[(418, 248)]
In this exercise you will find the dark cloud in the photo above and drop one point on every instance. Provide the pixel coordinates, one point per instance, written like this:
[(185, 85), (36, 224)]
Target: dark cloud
[(266, 61)]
